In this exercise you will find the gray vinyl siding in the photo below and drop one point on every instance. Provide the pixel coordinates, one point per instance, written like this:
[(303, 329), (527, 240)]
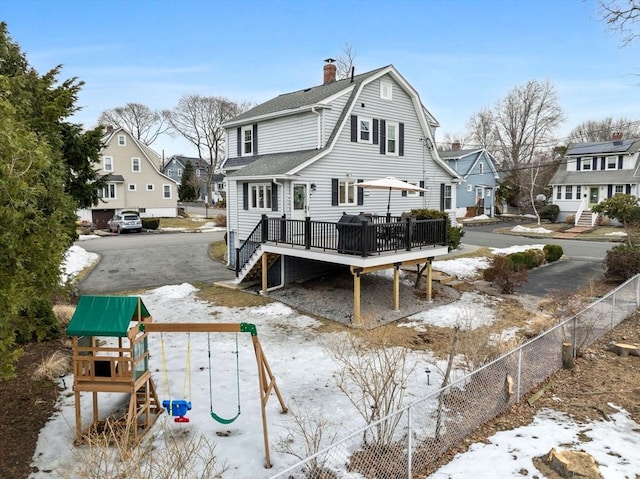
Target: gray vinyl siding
[(291, 133)]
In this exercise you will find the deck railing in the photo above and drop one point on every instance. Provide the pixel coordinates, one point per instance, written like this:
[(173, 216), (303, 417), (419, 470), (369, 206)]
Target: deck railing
[(352, 235)]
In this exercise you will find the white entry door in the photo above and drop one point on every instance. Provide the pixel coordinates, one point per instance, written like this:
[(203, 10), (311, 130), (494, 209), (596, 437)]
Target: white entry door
[(300, 201)]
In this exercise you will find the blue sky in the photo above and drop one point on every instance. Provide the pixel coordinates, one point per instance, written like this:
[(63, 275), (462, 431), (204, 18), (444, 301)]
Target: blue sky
[(460, 55)]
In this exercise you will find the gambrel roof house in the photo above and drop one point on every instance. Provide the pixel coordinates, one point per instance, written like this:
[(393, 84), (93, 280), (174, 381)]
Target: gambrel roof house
[(294, 162), (592, 172), (135, 181), (476, 194)]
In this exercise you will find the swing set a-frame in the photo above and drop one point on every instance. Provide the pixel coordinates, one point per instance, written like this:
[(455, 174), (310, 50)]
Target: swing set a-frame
[(125, 367)]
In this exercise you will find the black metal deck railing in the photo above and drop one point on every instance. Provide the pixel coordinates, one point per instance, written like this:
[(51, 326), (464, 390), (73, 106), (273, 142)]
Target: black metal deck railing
[(352, 235)]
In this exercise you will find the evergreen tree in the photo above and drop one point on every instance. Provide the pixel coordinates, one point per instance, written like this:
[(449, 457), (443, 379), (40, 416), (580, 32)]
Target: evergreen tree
[(37, 217), (187, 190)]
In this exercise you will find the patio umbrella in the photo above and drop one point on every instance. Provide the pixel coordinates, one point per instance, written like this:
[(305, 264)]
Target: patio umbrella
[(389, 183)]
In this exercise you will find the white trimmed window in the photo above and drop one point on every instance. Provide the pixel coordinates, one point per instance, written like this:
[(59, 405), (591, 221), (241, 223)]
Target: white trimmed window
[(612, 163), (586, 163), (109, 191), (135, 165), (413, 193), (166, 191), (469, 188), (365, 134), (107, 163), (247, 140), (481, 168), (150, 187), (260, 197), (619, 189), (122, 140), (132, 187), (558, 192), (568, 192), (447, 197), (386, 90), (347, 194), (392, 138), (578, 192)]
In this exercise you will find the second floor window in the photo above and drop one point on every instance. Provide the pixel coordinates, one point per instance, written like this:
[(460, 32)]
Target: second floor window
[(135, 165), (481, 168), (247, 140), (109, 191), (612, 163), (392, 138), (364, 130), (107, 163), (586, 163)]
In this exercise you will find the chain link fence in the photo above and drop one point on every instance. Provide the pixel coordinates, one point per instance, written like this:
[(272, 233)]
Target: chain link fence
[(411, 439)]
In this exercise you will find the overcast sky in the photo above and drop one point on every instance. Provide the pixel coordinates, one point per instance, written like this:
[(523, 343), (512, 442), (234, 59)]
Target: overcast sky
[(460, 55)]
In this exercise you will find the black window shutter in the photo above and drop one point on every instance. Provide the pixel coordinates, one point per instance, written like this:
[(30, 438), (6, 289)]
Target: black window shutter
[(628, 189), (441, 196), (239, 141), (401, 139), (274, 197), (334, 191), (404, 192), (594, 163), (383, 137), (360, 194), (255, 139), (578, 164), (619, 162), (375, 131), (354, 128), (245, 196), (422, 186), (603, 164), (609, 191)]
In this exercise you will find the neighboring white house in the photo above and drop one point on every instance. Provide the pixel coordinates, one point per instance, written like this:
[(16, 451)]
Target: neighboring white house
[(135, 183), (592, 172)]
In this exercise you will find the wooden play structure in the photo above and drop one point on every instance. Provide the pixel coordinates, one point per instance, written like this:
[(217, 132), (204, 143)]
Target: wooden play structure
[(101, 366)]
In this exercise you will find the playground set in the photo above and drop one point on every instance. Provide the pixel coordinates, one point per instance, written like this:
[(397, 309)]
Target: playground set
[(101, 367)]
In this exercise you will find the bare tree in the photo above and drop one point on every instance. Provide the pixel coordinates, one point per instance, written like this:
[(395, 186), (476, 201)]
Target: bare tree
[(199, 120), (622, 16), (345, 62), (139, 120), (481, 129), (603, 130), (448, 142)]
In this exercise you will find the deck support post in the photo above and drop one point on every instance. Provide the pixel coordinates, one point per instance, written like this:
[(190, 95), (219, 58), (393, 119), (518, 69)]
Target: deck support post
[(396, 286), (429, 279), (357, 319), (265, 266)]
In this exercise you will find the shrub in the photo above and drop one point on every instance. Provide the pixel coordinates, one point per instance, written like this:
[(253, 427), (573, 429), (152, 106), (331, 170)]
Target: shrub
[(508, 274), (570, 219), (622, 262), (538, 258), (549, 212), (519, 258), (221, 220), (553, 252), (38, 323), (603, 221), (150, 223)]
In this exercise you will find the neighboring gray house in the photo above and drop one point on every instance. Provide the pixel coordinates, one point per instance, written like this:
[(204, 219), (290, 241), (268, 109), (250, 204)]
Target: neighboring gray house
[(592, 172), (174, 167), (292, 168), (477, 192)]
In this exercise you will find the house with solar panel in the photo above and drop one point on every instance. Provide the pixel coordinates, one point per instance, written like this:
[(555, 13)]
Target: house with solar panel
[(293, 167), (593, 172)]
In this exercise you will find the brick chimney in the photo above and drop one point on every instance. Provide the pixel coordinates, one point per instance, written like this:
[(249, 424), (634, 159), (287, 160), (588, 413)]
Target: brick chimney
[(455, 146), (616, 136), (329, 71)]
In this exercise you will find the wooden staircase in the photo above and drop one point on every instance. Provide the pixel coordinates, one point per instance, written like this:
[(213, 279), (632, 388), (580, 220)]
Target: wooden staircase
[(585, 219), (254, 273)]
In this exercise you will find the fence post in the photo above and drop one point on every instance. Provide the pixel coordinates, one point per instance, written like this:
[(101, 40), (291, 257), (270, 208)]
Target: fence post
[(409, 444), (519, 374), (237, 262), (307, 232), (283, 229), (264, 228)]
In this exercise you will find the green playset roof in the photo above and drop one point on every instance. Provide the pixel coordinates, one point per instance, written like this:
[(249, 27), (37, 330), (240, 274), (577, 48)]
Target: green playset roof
[(106, 315)]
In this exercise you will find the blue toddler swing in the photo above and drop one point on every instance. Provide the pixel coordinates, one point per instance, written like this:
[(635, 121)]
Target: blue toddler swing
[(177, 408), (216, 417)]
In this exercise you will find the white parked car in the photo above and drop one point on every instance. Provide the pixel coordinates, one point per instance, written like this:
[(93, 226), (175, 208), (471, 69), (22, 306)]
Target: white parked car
[(125, 222)]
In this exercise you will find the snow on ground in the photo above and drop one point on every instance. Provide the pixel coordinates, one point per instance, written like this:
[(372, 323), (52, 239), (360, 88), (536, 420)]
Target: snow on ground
[(524, 229), (305, 374), (616, 233)]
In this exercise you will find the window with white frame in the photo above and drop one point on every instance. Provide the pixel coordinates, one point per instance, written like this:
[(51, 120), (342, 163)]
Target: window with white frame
[(586, 163), (568, 192), (347, 194), (198, 172), (150, 187), (447, 197), (392, 138), (132, 187), (166, 191), (469, 188), (179, 172), (169, 172), (260, 196), (108, 192), (122, 140), (612, 163), (386, 90), (135, 165), (107, 163), (558, 192), (619, 189), (578, 192), (247, 140), (413, 193), (365, 135), (481, 167)]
